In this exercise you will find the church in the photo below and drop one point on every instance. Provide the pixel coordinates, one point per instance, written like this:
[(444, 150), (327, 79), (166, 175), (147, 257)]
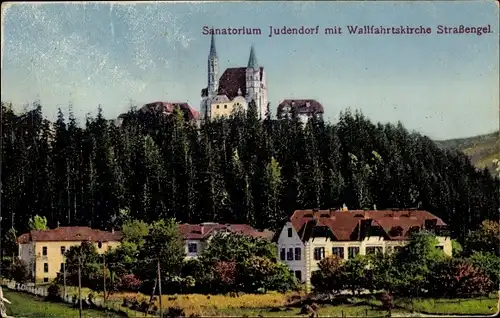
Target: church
[(235, 89)]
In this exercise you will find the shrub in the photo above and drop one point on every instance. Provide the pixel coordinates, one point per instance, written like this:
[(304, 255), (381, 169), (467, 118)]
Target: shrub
[(54, 293), (458, 278), (225, 274), (326, 279), (130, 283), (489, 263), (18, 271), (174, 312)]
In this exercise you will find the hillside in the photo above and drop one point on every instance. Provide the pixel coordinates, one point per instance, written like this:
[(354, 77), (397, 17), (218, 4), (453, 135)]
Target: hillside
[(480, 149)]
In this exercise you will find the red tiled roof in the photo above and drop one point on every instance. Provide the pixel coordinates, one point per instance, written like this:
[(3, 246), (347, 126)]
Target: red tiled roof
[(70, 233), (343, 224), (302, 105), (169, 107), (205, 230), (233, 79)]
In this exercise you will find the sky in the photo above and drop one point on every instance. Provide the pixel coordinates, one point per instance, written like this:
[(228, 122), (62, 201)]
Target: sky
[(115, 55)]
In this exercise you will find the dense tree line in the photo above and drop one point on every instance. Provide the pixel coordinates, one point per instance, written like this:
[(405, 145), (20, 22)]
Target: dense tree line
[(236, 170)]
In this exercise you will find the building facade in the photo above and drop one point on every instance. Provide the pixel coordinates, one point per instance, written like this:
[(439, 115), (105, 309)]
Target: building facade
[(311, 235), (197, 236), (235, 89), (43, 251), (303, 109), (166, 108)]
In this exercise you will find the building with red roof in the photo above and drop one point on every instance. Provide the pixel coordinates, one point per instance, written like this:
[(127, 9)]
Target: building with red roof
[(197, 236), (311, 235), (304, 109), (43, 250), (165, 108), (235, 89)]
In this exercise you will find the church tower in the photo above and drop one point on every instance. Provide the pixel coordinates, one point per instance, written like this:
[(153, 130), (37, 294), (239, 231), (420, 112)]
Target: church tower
[(213, 70), (253, 80)]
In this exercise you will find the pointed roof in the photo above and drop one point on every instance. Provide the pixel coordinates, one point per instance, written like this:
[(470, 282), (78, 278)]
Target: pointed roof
[(213, 51), (252, 61)]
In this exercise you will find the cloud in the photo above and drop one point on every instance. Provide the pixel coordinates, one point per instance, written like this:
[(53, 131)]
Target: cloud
[(86, 52)]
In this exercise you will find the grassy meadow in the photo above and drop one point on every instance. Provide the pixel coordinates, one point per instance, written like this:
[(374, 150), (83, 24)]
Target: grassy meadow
[(252, 305), (28, 306)]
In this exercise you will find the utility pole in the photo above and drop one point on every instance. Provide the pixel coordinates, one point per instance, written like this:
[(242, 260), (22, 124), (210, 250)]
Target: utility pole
[(159, 285), (1, 164), (64, 277), (80, 283), (104, 278)]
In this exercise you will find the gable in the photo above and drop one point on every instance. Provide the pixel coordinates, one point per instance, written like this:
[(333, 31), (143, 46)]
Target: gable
[(284, 235)]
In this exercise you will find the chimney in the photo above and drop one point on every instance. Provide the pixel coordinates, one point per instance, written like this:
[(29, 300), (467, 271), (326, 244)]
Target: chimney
[(113, 230), (344, 207), (375, 207)]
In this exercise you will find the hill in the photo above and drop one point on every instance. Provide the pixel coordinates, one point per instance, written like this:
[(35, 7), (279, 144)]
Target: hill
[(482, 150)]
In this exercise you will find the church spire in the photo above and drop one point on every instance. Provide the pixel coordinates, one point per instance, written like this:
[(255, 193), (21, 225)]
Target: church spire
[(252, 61), (213, 51)]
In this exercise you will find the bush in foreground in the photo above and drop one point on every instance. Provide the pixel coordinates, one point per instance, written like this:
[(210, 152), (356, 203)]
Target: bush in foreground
[(458, 278)]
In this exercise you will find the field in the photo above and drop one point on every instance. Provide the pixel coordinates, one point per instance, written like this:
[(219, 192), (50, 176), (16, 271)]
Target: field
[(24, 305), (275, 304), (251, 305)]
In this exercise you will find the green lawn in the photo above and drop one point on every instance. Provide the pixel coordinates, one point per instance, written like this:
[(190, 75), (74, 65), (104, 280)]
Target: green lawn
[(28, 306), (474, 306)]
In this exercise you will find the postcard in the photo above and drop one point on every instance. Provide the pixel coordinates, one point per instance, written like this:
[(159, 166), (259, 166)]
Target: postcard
[(281, 158)]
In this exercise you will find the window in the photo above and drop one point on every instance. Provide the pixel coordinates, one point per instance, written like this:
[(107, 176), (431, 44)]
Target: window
[(319, 253), (99, 244), (298, 253), (63, 250), (398, 249), (289, 254), (373, 250), (352, 251), (62, 268), (193, 248), (298, 275), (225, 106), (45, 267), (217, 106), (290, 232), (45, 279), (339, 251), (44, 251), (440, 247), (282, 254)]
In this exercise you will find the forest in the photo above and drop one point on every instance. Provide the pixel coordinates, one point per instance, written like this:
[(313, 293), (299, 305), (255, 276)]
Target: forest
[(234, 170)]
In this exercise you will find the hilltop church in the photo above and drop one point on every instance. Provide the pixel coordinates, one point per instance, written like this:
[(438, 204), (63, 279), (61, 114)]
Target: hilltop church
[(234, 89)]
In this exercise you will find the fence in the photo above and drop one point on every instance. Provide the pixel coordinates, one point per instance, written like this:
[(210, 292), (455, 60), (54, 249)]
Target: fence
[(42, 291)]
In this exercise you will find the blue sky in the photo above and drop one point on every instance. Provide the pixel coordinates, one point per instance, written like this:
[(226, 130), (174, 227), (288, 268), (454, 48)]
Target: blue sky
[(444, 86)]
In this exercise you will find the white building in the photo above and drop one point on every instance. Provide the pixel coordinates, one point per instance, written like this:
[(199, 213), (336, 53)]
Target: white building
[(304, 109), (198, 236), (311, 235), (235, 88)]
